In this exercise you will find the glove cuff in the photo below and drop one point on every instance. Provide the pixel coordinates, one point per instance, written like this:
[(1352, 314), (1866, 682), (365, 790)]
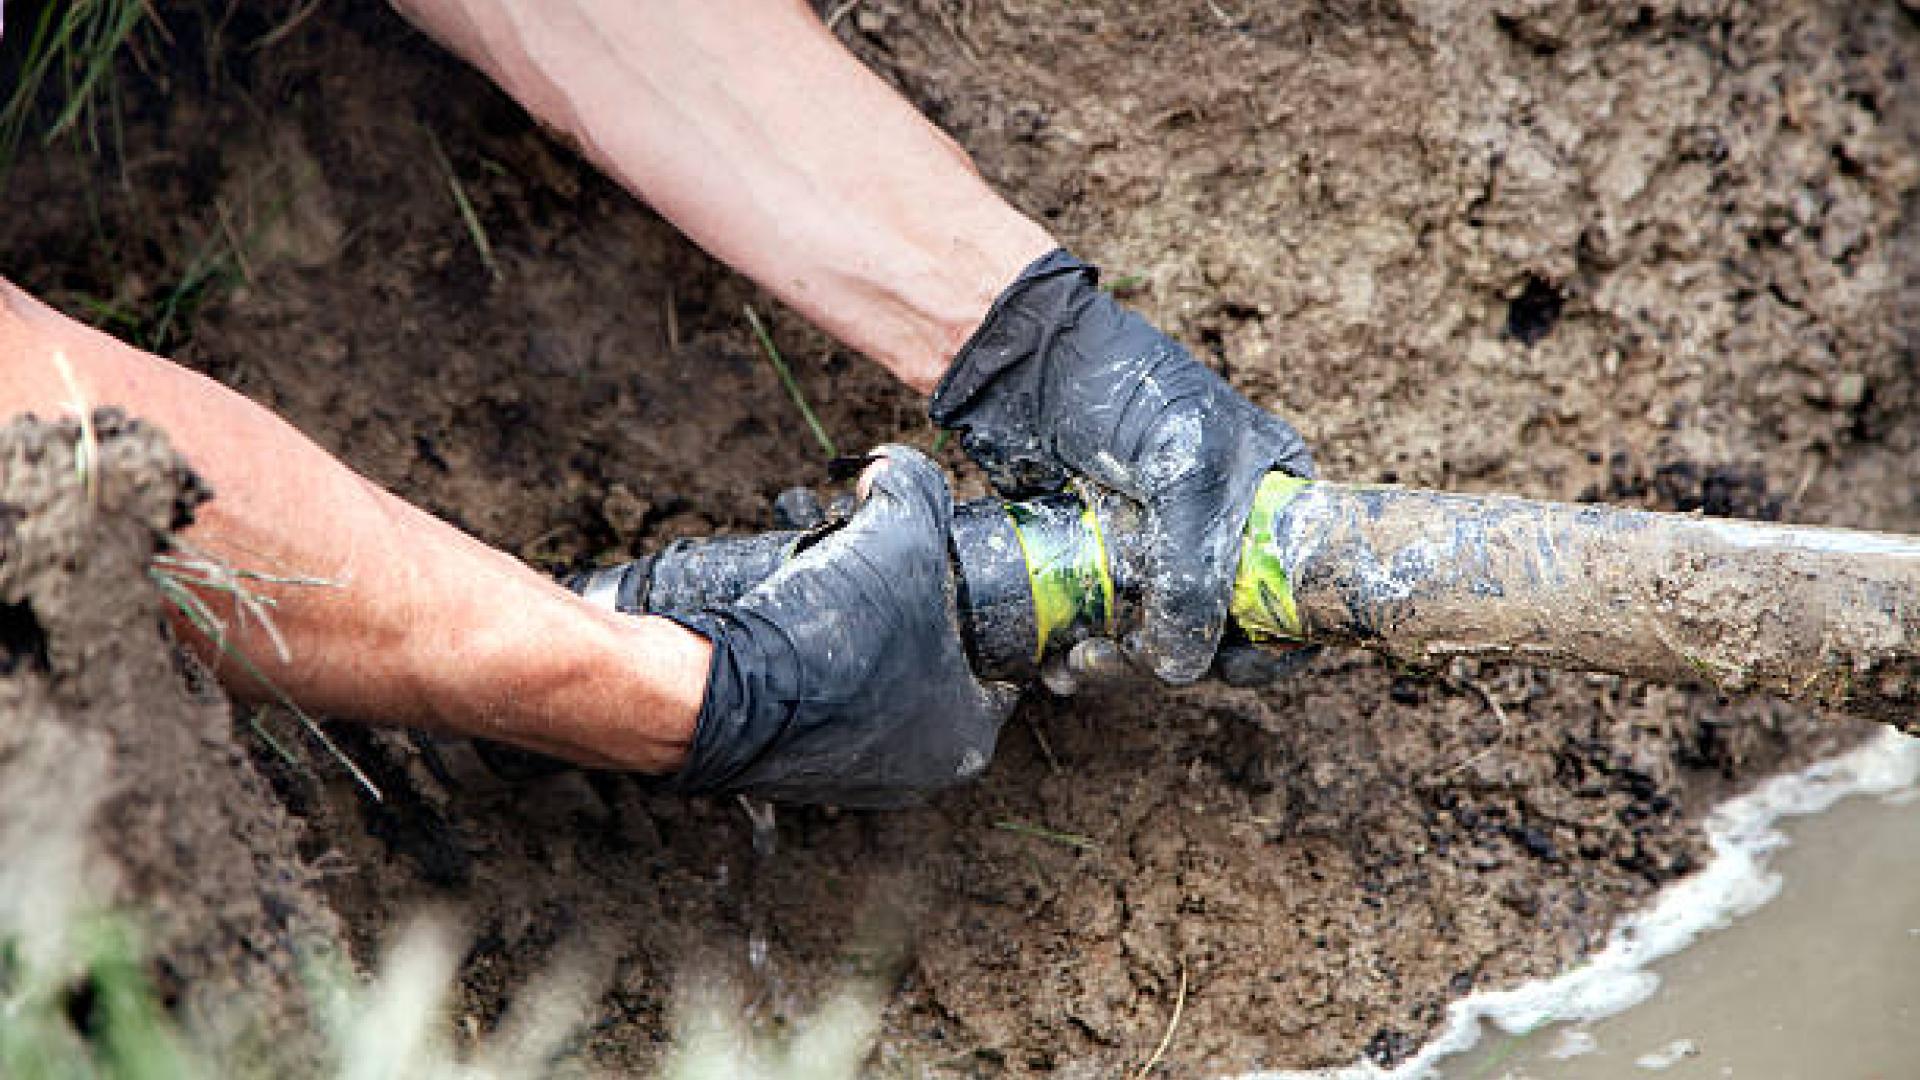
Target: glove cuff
[(749, 700), (1022, 319), (993, 393)]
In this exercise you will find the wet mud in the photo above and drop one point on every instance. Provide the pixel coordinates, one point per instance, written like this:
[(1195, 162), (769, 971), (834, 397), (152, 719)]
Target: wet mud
[(1660, 255)]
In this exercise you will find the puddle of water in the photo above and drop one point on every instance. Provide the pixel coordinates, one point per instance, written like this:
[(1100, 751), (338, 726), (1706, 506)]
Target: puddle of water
[(1821, 984), (1818, 979)]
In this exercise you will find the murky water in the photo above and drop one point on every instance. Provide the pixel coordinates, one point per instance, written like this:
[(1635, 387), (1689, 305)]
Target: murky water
[(1823, 983), (1795, 955)]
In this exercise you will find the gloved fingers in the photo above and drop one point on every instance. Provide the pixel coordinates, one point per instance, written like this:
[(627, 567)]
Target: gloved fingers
[(1014, 474), (908, 476), (901, 497), (803, 508), (843, 677), (1191, 561), (1195, 529), (1284, 446), (912, 481)]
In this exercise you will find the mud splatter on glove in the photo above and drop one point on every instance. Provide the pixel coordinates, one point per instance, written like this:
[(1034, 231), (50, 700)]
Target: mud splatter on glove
[(1060, 380), (842, 678)]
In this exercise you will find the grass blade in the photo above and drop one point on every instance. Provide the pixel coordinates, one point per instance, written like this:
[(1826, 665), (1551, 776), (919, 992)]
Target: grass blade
[(120, 18), (787, 380), (470, 217), (175, 586), (1066, 839)]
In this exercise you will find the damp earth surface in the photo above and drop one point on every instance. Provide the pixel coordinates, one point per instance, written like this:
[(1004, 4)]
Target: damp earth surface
[(1659, 254)]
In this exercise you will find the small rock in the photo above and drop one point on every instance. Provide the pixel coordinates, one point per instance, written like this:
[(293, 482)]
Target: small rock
[(1850, 390), (625, 511)]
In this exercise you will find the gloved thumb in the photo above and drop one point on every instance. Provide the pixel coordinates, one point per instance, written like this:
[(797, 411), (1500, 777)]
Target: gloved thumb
[(905, 474)]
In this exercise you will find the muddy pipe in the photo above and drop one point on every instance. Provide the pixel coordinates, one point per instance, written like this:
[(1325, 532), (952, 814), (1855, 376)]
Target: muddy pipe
[(1829, 616)]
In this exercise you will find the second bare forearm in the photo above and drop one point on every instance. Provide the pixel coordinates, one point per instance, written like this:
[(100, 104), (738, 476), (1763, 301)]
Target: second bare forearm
[(751, 128)]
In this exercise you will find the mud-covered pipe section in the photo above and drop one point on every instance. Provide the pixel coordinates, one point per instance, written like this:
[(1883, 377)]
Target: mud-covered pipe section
[(1032, 578), (1823, 615)]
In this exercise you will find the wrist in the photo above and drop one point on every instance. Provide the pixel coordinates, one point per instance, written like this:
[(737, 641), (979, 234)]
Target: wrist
[(949, 305), (545, 671), (644, 715)]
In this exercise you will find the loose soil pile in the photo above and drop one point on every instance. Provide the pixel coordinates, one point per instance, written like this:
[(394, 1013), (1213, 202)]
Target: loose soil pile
[(1661, 254), (108, 738)]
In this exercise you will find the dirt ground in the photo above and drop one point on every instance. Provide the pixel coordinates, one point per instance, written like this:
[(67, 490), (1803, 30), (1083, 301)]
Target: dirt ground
[(1662, 254)]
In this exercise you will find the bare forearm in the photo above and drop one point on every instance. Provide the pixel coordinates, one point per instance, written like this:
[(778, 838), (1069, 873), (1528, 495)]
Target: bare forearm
[(418, 623), (752, 129)]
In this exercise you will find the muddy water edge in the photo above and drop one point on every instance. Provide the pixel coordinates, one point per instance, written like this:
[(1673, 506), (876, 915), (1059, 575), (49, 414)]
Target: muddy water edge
[(1820, 983), (1660, 255)]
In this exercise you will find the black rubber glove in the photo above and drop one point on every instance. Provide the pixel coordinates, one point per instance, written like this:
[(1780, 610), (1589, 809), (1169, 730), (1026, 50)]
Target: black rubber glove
[(1060, 381), (842, 677)]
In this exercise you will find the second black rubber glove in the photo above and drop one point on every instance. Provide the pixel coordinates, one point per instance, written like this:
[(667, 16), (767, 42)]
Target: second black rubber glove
[(842, 678), (1060, 380)]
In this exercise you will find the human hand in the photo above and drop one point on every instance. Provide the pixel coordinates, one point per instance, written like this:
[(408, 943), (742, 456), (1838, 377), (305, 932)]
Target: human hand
[(1060, 380), (842, 678)]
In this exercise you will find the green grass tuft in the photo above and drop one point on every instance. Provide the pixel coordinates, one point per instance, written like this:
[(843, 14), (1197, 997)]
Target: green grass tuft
[(74, 47)]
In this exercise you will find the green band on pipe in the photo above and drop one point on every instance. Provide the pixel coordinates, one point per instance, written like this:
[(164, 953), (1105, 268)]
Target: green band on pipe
[(1067, 568), (1262, 595)]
